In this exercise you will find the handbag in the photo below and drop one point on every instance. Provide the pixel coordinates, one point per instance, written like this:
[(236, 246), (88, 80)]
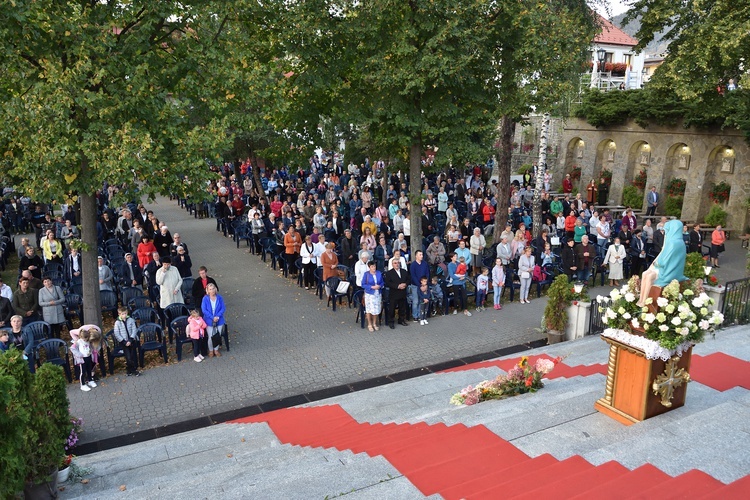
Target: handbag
[(721, 248), (216, 337), (343, 287), (525, 275), (554, 241)]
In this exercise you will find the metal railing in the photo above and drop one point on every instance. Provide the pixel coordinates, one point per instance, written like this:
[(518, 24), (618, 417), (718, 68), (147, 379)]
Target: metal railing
[(736, 306), (596, 323)]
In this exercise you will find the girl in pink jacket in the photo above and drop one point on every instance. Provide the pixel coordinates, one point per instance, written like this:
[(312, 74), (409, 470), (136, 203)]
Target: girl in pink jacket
[(196, 329)]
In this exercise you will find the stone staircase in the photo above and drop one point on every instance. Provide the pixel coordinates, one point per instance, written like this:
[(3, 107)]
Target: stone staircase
[(405, 441)]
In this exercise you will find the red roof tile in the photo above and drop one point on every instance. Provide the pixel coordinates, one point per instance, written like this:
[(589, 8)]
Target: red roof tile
[(612, 35)]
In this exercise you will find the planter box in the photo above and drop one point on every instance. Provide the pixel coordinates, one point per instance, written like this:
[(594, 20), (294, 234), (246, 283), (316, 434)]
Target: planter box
[(631, 378), (578, 320)]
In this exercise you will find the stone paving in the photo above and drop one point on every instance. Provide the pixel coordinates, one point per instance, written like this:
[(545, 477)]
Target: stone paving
[(284, 341)]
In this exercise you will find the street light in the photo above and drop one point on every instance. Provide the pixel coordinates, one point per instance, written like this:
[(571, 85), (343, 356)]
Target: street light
[(601, 55)]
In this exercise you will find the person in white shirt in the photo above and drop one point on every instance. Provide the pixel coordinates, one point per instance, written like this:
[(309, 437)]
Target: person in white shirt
[(407, 227), (320, 248), (309, 261), (5, 290), (397, 256), (361, 267)]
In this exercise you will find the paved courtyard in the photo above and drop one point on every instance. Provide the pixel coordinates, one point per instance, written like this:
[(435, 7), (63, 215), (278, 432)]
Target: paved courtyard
[(284, 342)]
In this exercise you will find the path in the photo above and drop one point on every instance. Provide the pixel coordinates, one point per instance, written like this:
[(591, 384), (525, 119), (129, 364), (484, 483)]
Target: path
[(285, 342)]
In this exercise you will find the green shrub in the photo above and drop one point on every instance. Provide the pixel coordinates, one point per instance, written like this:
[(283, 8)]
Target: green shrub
[(716, 216), (556, 311), (632, 197), (50, 422), (15, 399), (694, 266), (526, 167), (673, 206)]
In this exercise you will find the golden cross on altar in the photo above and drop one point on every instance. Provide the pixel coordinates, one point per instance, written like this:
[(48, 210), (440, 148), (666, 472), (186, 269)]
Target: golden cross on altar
[(672, 378)]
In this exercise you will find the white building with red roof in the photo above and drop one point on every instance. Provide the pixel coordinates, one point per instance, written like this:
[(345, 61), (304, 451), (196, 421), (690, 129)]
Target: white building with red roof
[(614, 60)]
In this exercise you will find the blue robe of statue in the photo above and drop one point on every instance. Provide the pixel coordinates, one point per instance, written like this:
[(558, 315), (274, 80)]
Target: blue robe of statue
[(671, 260)]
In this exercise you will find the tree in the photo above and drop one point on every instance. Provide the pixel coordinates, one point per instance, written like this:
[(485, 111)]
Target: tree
[(105, 91), (540, 50), (707, 42)]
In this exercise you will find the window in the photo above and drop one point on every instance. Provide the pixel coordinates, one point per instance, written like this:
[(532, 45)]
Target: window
[(628, 59)]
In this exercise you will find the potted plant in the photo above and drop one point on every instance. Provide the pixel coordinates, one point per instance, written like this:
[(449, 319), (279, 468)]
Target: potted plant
[(641, 179), (48, 431), (555, 317), (63, 470), (35, 427), (716, 216), (579, 311), (719, 193), (575, 173)]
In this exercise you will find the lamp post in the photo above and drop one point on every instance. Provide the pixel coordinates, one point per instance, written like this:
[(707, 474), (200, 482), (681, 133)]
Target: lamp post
[(601, 55)]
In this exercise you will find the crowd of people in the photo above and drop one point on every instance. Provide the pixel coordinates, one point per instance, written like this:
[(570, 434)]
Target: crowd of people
[(138, 258)]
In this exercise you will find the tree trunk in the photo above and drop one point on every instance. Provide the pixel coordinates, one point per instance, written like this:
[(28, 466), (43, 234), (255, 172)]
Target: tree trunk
[(505, 153), (415, 193), (537, 202), (92, 310), (255, 168)]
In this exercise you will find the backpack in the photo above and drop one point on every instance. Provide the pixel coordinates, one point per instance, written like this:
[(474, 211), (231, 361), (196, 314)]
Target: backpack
[(537, 275)]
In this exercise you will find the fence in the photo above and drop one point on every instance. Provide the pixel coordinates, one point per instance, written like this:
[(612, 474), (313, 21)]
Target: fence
[(736, 306), (596, 323)]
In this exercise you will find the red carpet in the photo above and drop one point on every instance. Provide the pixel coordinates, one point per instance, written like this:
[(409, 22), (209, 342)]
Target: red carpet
[(718, 370), (471, 462)]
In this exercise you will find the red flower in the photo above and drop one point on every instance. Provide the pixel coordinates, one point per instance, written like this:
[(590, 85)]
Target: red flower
[(575, 302), (529, 381)]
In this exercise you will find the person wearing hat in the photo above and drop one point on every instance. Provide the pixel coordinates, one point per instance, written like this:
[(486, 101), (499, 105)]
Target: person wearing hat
[(106, 278), (131, 272)]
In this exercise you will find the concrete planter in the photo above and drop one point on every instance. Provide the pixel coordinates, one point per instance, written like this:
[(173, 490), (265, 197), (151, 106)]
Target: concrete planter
[(578, 320), (716, 293)]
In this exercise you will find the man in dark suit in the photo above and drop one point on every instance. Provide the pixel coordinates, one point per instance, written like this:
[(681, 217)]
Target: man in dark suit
[(130, 272), (73, 267), (585, 254), (428, 223), (652, 198), (637, 253), (569, 259), (696, 239), (397, 280)]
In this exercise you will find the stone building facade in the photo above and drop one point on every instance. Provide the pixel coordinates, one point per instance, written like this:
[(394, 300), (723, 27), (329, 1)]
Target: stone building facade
[(701, 157)]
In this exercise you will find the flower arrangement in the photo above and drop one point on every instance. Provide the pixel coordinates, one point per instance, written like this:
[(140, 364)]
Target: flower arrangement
[(65, 462), (76, 424), (526, 148), (522, 378), (575, 173), (616, 68), (676, 187), (719, 193), (641, 179), (607, 176), (682, 314)]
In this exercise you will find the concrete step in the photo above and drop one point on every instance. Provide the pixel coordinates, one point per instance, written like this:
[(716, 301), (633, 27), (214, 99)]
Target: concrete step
[(231, 468)]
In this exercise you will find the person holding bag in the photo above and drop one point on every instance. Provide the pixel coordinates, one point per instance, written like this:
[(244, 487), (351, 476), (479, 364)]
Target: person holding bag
[(525, 268), (213, 314)]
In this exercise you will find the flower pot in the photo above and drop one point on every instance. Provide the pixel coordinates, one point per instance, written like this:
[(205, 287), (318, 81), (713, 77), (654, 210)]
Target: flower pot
[(716, 293), (578, 320), (638, 388), (42, 491), (62, 475), (555, 336)]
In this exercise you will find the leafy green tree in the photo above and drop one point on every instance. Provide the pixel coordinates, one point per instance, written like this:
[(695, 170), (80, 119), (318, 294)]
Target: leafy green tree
[(112, 91)]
